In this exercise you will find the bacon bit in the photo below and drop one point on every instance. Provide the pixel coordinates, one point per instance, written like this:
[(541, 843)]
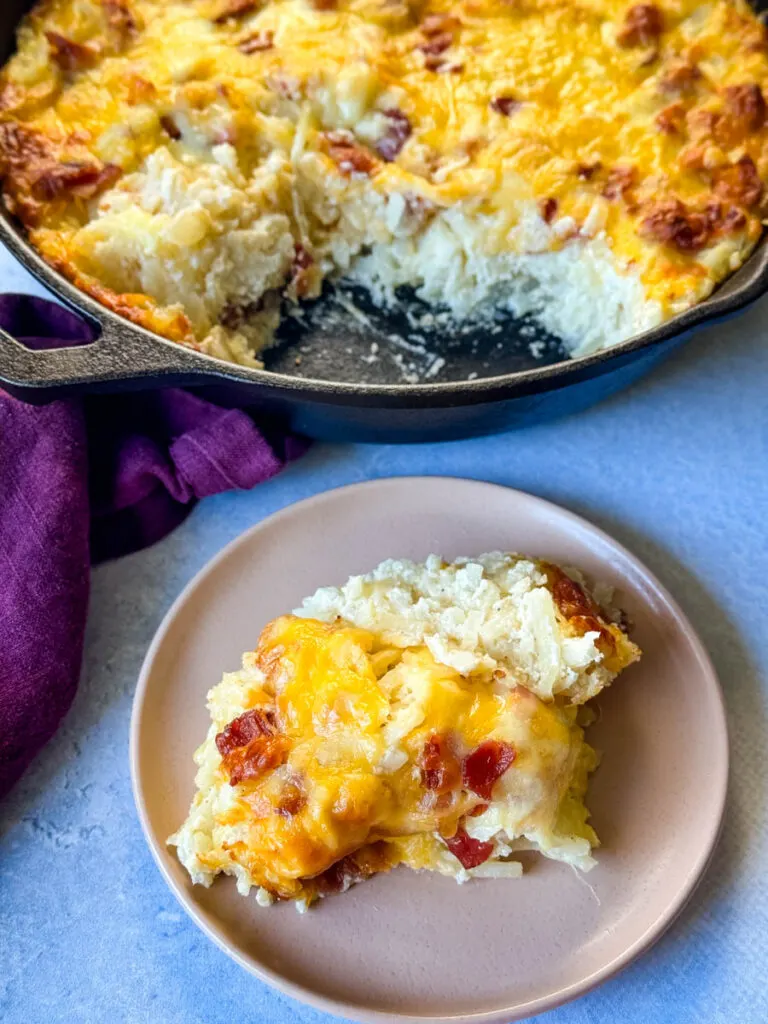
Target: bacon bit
[(436, 45), (746, 104), (679, 77), (477, 811), (505, 105), (397, 134), (74, 178), (258, 42), (442, 67), (302, 261), (246, 727), (739, 183), (69, 55), (671, 222), (587, 171), (263, 754), (671, 120), (339, 876), (234, 9), (120, 17), (170, 127), (292, 799), (436, 24), (440, 770), (250, 746), (620, 181), (548, 209), (481, 769), (725, 221), (348, 156), (468, 851), (643, 24)]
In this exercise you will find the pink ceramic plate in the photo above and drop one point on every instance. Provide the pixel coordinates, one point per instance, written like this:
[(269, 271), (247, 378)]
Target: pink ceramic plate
[(411, 945)]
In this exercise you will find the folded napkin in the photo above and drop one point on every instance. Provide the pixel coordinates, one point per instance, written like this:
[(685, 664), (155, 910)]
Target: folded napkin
[(82, 481)]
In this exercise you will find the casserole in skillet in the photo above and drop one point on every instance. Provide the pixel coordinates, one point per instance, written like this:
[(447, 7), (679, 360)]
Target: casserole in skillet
[(198, 167)]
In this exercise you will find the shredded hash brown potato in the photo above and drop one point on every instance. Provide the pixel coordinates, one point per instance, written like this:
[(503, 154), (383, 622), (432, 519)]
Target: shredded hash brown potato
[(197, 165), (445, 735)]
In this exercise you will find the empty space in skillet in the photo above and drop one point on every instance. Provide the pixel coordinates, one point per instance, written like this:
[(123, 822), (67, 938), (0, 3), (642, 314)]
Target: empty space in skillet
[(346, 336)]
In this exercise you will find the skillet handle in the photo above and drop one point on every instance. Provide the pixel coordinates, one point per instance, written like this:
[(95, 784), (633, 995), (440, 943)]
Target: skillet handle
[(91, 355)]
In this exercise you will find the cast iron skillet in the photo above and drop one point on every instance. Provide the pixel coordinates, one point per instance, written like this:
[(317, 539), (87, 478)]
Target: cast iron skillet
[(343, 371)]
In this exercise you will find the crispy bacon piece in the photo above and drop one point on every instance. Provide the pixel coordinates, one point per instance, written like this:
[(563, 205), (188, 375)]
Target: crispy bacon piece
[(251, 745), (120, 17), (442, 67), (244, 728), (69, 55), (643, 24), (740, 183), (436, 45), (234, 9), (302, 261), (170, 127), (258, 42), (397, 134), (671, 120), (468, 851), (482, 769), (746, 105), (548, 209), (348, 156), (74, 178), (292, 798), (671, 222), (724, 219), (587, 171), (679, 76), (260, 756), (505, 105), (620, 181), (440, 770)]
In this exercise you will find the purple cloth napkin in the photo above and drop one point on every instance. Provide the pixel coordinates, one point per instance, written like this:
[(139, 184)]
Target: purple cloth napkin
[(82, 481)]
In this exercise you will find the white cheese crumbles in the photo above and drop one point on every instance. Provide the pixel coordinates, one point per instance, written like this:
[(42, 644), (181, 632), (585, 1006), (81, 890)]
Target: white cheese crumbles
[(495, 612)]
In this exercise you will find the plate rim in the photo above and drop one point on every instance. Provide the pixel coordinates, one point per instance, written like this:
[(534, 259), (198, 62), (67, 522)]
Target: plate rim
[(350, 1011)]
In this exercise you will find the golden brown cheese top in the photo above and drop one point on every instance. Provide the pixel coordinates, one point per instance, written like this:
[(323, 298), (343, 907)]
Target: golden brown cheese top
[(350, 746), (646, 122)]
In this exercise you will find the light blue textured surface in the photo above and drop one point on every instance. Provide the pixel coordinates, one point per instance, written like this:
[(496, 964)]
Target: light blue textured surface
[(677, 469)]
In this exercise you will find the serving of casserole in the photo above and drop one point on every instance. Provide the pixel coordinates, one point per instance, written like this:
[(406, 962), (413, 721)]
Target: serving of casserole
[(199, 167), (428, 714)]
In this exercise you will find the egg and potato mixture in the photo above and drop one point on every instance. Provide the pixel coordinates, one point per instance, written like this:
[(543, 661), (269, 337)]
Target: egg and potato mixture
[(201, 165), (438, 724)]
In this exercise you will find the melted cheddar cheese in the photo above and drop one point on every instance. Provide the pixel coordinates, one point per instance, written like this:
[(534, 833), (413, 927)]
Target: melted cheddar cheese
[(195, 164), (335, 754)]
